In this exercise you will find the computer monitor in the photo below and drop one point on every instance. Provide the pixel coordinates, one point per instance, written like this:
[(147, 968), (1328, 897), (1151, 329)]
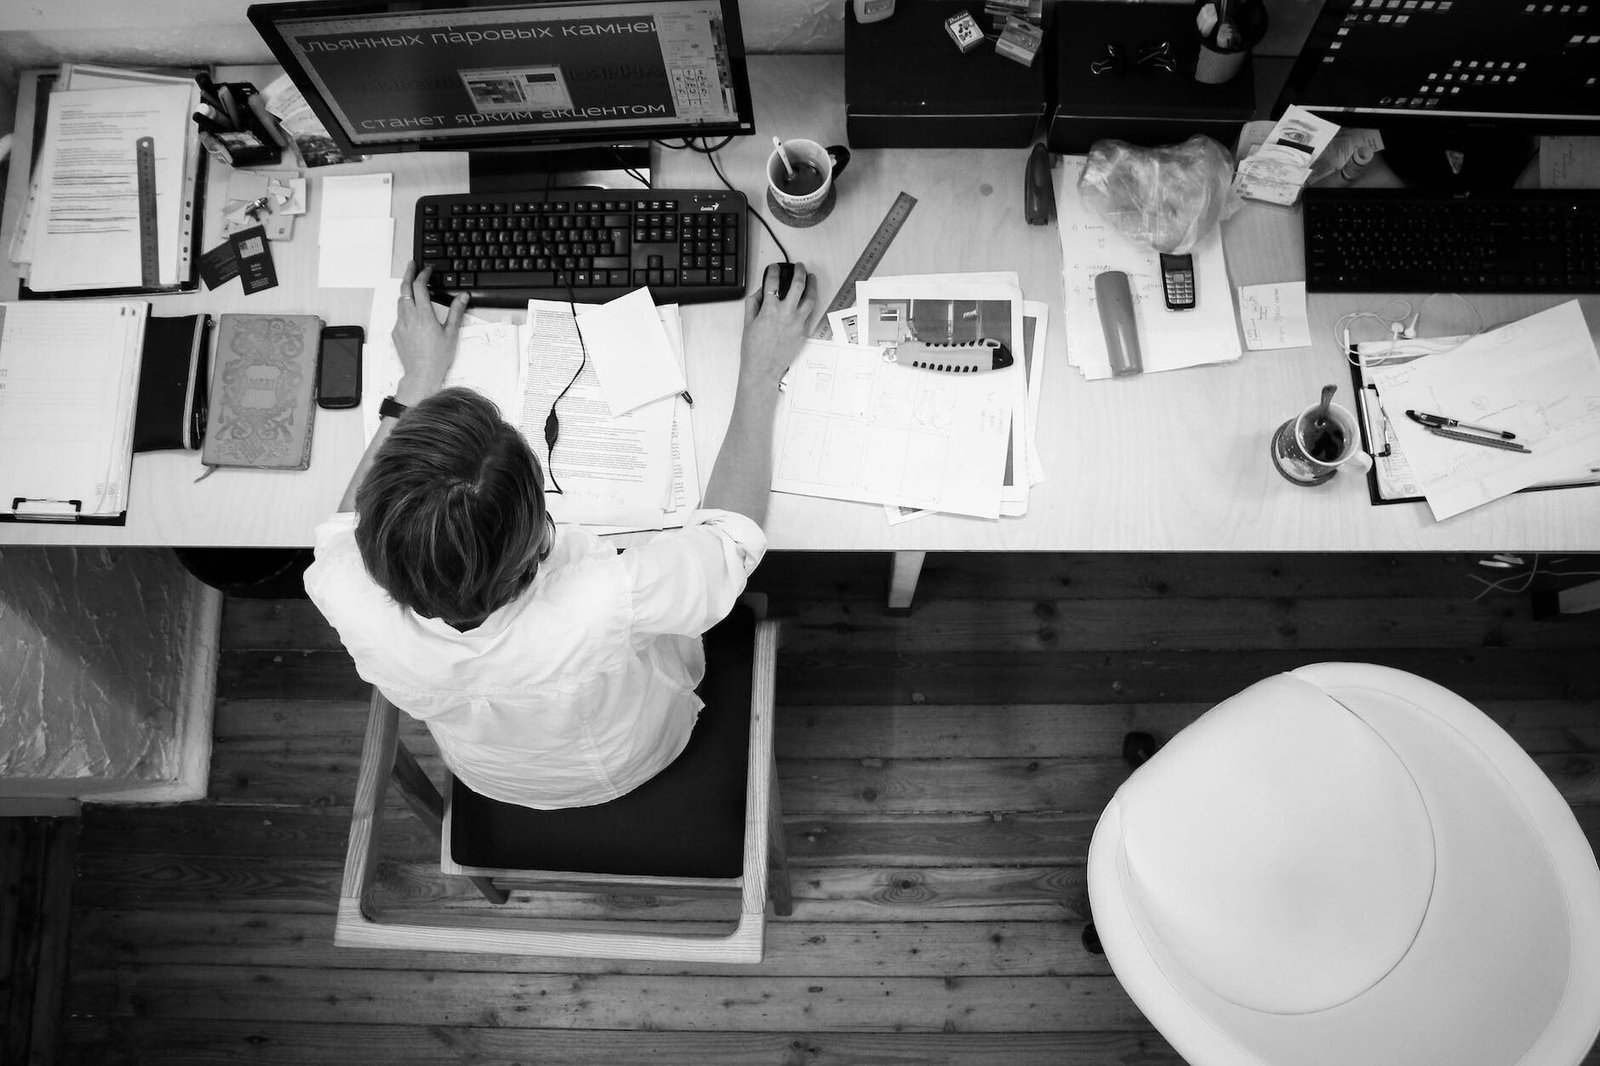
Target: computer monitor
[(1459, 88), (596, 79)]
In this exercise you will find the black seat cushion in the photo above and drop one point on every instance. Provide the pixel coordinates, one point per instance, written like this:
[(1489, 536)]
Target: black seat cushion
[(687, 821)]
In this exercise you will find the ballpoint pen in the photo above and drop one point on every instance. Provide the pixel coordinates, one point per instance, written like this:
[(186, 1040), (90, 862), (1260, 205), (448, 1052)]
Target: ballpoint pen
[(1442, 422), (1477, 438)]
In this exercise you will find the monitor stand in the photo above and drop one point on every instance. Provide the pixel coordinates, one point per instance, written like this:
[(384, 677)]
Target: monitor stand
[(601, 166), (1461, 159)]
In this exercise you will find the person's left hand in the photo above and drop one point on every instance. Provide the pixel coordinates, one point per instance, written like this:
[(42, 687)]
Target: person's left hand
[(425, 345)]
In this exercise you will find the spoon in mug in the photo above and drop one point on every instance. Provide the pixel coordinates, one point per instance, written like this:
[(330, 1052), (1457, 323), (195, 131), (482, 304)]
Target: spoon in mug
[(1321, 418), (784, 157)]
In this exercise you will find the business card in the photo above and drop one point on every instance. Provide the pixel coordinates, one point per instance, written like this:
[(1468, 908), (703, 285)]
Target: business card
[(256, 272)]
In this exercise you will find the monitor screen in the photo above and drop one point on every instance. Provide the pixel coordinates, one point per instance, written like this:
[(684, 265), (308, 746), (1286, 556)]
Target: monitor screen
[(1529, 66), (392, 76)]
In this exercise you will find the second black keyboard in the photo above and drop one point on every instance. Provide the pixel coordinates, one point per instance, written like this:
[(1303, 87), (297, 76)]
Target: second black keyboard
[(1399, 240), (589, 245)]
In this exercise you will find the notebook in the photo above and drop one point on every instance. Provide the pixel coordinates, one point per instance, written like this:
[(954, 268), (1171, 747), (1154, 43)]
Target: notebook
[(263, 388)]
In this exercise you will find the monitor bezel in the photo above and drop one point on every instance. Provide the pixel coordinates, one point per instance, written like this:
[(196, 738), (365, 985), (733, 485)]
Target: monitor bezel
[(1302, 72), (264, 18)]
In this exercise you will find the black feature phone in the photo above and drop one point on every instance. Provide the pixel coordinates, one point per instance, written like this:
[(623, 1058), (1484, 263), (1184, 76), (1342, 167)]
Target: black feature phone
[(339, 367), (1177, 281)]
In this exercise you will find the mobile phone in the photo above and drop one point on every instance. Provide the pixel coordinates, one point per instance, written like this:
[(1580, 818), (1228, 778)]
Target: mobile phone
[(339, 367), (1177, 281)]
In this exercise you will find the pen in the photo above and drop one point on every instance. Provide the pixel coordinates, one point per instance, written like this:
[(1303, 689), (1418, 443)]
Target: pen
[(225, 94), (1441, 421), (1474, 438)]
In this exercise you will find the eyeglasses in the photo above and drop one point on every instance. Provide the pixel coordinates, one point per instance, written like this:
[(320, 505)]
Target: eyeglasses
[(1153, 55)]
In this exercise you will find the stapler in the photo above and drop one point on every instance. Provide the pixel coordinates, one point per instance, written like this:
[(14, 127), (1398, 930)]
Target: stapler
[(1038, 196)]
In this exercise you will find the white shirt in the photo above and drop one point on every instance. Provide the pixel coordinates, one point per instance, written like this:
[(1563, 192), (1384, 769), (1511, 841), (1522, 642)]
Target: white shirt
[(576, 692)]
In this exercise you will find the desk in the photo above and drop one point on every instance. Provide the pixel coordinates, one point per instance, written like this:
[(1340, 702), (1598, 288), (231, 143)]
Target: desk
[(1169, 462)]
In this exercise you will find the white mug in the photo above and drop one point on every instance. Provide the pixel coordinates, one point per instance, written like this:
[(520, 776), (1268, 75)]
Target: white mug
[(813, 168)]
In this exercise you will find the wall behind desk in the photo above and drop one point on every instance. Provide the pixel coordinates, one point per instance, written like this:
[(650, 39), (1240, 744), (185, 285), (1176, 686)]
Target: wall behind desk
[(37, 33)]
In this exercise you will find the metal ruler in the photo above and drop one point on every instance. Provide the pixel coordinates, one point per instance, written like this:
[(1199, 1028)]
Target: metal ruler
[(869, 259), (149, 245)]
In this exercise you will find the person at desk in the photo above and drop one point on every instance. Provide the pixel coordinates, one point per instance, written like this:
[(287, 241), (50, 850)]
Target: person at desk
[(552, 670)]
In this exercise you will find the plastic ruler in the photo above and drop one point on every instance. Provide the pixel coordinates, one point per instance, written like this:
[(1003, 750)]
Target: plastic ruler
[(869, 259), (149, 247)]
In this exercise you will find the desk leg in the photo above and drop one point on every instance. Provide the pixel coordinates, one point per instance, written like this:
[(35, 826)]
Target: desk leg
[(903, 579)]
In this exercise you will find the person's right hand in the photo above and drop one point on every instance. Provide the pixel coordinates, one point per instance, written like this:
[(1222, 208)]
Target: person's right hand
[(425, 345), (774, 328)]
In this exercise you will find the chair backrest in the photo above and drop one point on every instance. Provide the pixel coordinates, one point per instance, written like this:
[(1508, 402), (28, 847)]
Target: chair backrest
[(364, 921)]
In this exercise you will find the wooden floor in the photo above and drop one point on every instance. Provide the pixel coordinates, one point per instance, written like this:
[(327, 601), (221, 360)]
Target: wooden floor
[(941, 776)]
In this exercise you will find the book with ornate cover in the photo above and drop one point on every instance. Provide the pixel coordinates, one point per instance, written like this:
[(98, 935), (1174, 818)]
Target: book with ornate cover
[(263, 388)]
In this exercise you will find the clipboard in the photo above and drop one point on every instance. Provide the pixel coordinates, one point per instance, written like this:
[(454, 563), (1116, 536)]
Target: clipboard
[(1387, 481), (69, 378), (191, 212)]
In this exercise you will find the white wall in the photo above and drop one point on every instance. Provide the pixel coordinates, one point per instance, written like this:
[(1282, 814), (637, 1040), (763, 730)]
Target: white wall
[(36, 33)]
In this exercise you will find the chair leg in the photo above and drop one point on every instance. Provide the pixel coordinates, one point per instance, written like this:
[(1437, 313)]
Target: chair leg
[(422, 796), (778, 887)]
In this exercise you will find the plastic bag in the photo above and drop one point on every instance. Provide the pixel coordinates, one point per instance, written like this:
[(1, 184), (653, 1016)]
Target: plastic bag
[(1167, 198)]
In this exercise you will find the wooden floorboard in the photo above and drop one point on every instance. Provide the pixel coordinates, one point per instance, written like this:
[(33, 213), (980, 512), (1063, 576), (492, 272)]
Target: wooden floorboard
[(942, 775)]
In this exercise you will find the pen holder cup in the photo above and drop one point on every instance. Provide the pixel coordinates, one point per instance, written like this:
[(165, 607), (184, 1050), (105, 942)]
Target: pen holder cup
[(1309, 449), (248, 143), (1228, 30), (1213, 67)]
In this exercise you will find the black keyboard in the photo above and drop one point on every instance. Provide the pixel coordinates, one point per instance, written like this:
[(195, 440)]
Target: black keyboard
[(588, 245), (1397, 240)]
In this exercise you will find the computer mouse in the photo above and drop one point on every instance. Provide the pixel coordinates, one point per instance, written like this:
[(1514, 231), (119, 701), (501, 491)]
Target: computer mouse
[(1114, 299), (1038, 196), (785, 275)]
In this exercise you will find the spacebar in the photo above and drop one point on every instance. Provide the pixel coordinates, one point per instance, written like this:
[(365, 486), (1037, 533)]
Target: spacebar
[(522, 279)]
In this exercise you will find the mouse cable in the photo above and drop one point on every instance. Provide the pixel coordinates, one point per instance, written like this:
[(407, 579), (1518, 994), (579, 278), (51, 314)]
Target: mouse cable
[(753, 212)]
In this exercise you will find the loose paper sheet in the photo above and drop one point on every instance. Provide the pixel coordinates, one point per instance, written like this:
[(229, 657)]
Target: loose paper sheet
[(1274, 316), (1169, 340), (1538, 377), (632, 356), (355, 235)]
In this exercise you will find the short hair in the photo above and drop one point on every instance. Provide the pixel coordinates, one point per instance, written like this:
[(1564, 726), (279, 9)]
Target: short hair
[(451, 514)]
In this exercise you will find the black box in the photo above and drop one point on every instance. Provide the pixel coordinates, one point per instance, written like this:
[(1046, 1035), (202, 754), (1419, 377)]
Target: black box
[(907, 85), (1142, 104)]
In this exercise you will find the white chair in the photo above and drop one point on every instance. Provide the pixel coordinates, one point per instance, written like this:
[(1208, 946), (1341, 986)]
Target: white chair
[(1348, 864)]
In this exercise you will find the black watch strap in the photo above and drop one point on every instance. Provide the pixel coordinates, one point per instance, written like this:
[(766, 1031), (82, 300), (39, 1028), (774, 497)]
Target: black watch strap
[(391, 408)]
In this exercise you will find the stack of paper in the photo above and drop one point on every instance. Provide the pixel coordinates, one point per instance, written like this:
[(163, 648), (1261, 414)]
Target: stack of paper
[(69, 376), (355, 238), (624, 459), (1168, 340), (1538, 378), (857, 423), (81, 229)]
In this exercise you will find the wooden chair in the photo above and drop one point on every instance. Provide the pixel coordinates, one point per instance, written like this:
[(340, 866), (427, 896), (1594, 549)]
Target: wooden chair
[(602, 840)]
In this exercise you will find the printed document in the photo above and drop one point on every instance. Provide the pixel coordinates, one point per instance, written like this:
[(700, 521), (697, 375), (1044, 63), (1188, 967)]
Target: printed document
[(86, 233), (609, 470), (853, 426), (1538, 377), (1169, 340)]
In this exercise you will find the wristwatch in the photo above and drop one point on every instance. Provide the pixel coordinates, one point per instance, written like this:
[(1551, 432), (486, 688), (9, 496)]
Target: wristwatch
[(391, 408)]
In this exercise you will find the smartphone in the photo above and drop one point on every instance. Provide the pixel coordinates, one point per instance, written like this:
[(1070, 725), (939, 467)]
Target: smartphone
[(1177, 281), (339, 367)]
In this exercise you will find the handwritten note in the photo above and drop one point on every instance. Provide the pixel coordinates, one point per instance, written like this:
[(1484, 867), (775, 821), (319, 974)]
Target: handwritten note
[(1569, 162), (1274, 316)]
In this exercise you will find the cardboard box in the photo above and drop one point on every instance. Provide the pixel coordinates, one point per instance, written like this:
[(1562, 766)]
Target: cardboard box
[(906, 85), (1143, 105)]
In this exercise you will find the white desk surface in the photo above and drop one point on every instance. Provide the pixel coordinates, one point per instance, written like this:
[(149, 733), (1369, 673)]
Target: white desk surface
[(1166, 462)]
